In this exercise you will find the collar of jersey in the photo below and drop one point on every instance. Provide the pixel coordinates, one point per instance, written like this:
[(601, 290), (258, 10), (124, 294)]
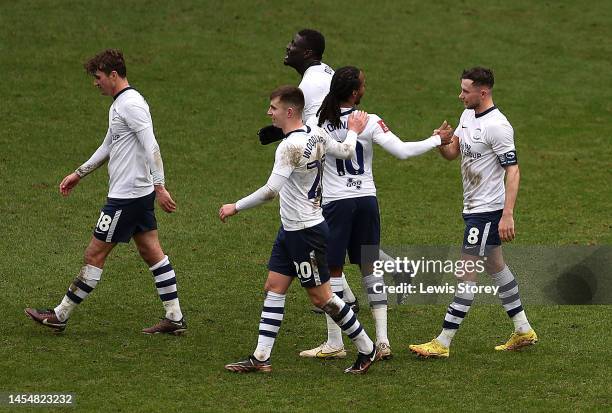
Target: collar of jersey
[(315, 63), (121, 91), (491, 109), (346, 112), (299, 130)]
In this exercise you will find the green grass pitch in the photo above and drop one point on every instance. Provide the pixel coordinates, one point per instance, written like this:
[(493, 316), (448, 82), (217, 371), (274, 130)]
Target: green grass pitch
[(206, 69)]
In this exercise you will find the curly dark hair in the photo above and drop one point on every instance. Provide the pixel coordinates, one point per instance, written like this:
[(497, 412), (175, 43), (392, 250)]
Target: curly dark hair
[(107, 61)]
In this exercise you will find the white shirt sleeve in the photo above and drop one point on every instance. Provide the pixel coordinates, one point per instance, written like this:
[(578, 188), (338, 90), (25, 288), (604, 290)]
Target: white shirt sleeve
[(137, 116), (152, 153), (315, 86), (265, 193), (310, 99), (501, 139), (394, 145), (98, 158), (286, 159)]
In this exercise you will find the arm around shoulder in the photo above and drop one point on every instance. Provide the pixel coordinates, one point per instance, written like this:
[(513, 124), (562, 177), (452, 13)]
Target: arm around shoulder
[(357, 122)]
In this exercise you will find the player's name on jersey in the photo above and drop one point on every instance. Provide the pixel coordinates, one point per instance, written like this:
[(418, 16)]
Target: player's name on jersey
[(421, 288), (331, 128), (311, 144)]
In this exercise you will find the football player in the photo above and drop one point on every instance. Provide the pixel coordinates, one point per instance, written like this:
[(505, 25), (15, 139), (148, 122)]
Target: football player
[(485, 140), (301, 242), (350, 206), (304, 53), (136, 174)]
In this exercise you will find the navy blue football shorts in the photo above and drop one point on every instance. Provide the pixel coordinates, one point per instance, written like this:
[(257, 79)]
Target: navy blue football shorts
[(481, 233), (120, 219), (302, 254), (354, 227)]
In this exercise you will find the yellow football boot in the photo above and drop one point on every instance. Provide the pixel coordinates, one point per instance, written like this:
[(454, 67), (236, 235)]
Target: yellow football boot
[(432, 349), (517, 340)]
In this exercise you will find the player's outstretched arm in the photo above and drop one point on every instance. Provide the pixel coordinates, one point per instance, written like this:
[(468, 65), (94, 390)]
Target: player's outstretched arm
[(404, 150), (506, 223), (264, 194)]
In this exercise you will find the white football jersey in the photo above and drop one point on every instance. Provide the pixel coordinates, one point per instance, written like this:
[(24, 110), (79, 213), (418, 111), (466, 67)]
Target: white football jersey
[(128, 169), (486, 141), (299, 158), (353, 178), (315, 86)]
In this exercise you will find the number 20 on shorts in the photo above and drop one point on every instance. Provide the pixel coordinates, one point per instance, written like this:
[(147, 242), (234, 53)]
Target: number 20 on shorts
[(303, 270)]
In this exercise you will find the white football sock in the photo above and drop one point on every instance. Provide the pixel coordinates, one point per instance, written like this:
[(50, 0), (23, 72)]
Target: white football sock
[(348, 295), (334, 333), (165, 282), (511, 300), (269, 324), (80, 288), (377, 297), (456, 312)]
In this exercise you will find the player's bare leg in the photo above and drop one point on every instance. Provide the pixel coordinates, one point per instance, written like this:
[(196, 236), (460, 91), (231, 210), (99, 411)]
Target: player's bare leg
[(165, 280), (95, 255)]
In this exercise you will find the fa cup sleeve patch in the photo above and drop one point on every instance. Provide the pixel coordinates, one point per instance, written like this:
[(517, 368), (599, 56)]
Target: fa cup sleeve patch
[(382, 125)]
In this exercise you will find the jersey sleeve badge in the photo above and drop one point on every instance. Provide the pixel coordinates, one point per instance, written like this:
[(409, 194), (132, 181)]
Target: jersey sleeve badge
[(383, 126)]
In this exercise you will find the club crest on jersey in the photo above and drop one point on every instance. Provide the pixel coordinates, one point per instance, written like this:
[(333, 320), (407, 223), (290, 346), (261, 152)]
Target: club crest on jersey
[(382, 125), (477, 134), (353, 183)]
